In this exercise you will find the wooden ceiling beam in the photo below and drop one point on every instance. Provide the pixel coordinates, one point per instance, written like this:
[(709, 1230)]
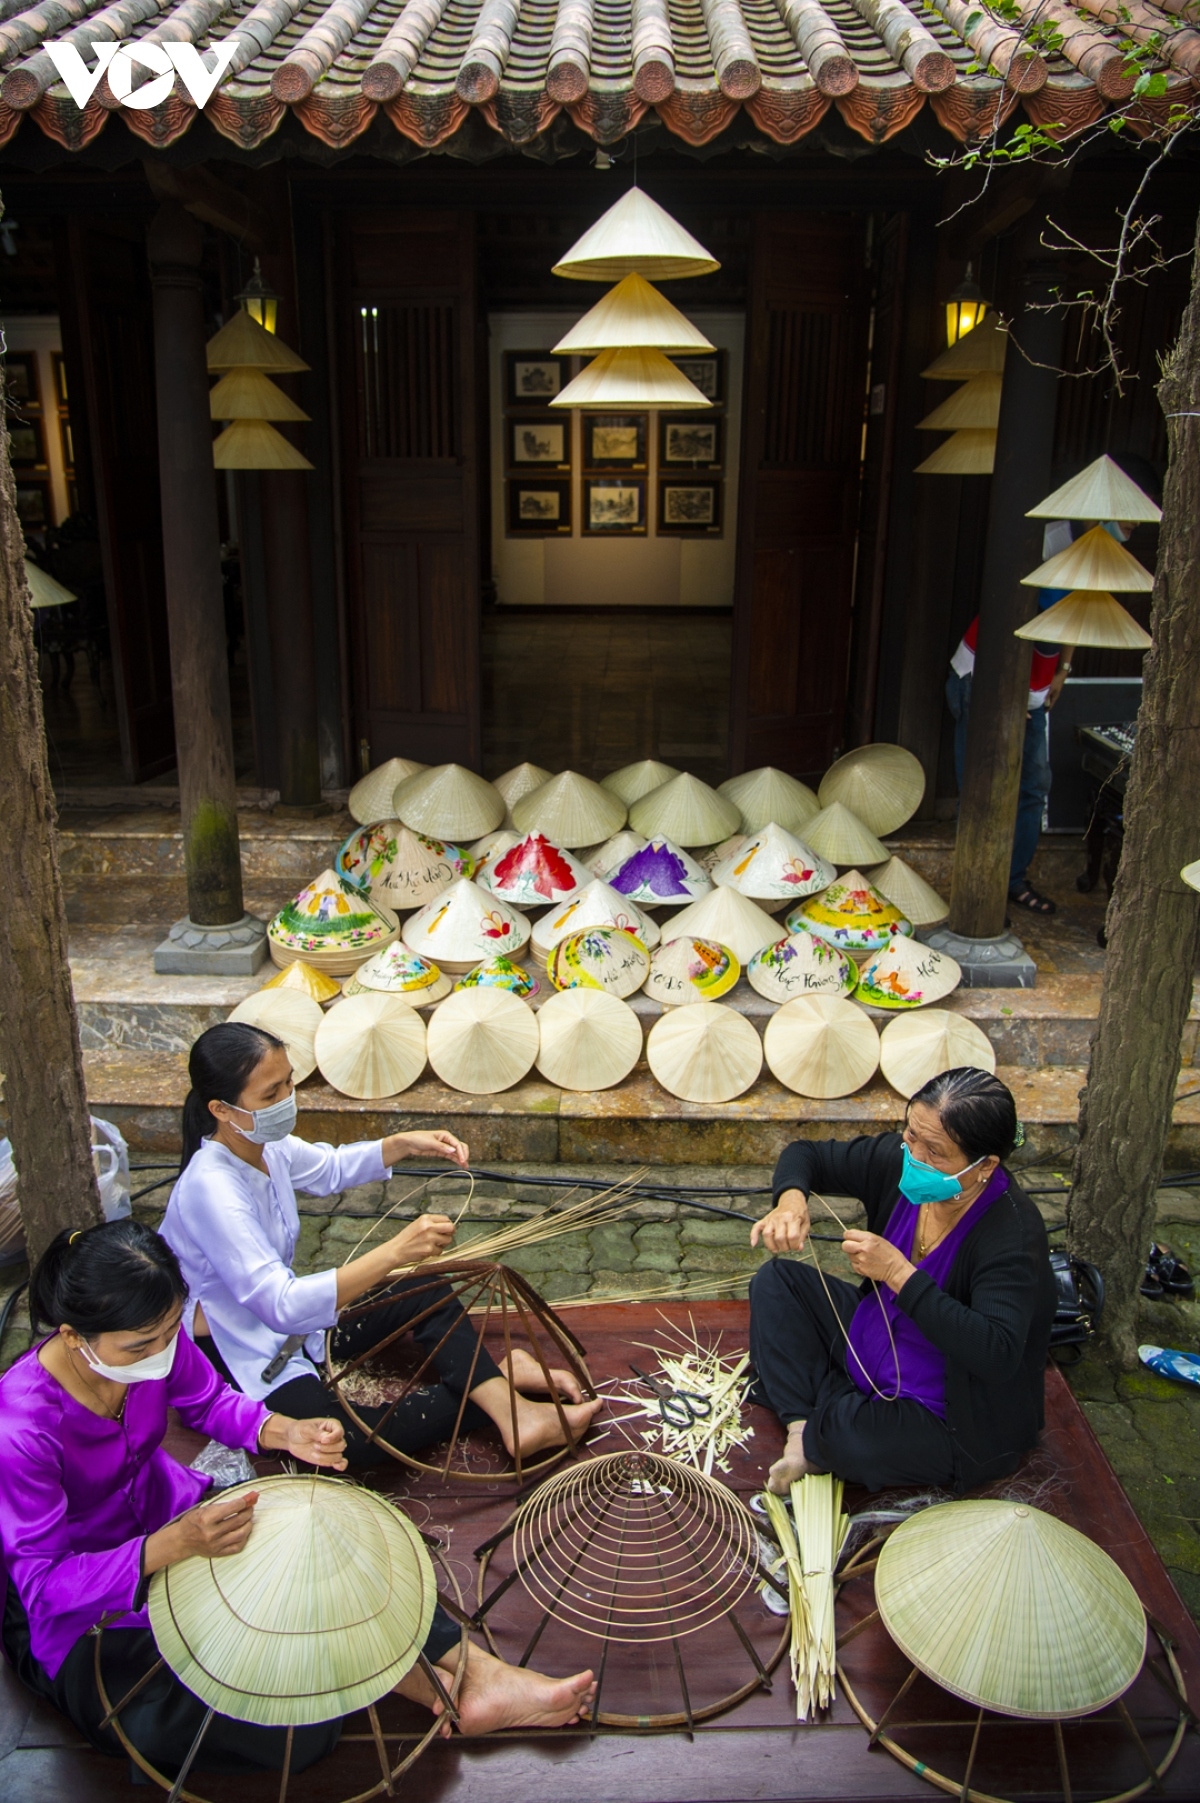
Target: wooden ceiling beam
[(214, 202)]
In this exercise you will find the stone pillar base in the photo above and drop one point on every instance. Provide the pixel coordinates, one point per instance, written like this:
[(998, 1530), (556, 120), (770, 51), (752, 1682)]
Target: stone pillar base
[(997, 963), (230, 951)]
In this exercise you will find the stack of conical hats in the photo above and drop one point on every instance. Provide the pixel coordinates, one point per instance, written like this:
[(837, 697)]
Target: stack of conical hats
[(686, 811), (570, 810), (837, 833), (371, 797), (482, 1040), (464, 927), (599, 958), (587, 1039), (373, 1045), (501, 973), (691, 970), (821, 1046), (292, 1017), (907, 974), (900, 884), (973, 413), (397, 971), (1094, 565), (660, 875), (773, 867), (521, 780), (449, 802), (400, 869), (534, 873), (602, 860), (313, 983), (801, 964), (851, 915), (916, 1047), (247, 397), (331, 925), (632, 781), (729, 918), (599, 905), (707, 1053), (882, 785), (767, 795)]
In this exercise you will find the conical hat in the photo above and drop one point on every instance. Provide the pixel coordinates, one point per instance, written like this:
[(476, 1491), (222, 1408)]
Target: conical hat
[(686, 810), (899, 883), (774, 867), (660, 875), (691, 970), (838, 834), (331, 925), (325, 1609), (397, 971), (534, 873), (801, 964), (635, 235), (599, 958), (501, 973), (449, 802), (850, 914), (632, 781), (291, 1016), (465, 926), (1191, 875), (587, 1039), (1100, 492), (399, 868), (632, 313), (821, 1046), (571, 810), (308, 981), (976, 404), (1095, 561), (610, 856), (44, 591), (978, 353), (631, 378), (243, 344), (710, 856), (906, 974), (1009, 1608), (969, 452), (882, 785), (916, 1047), (522, 779), (1087, 617), (484, 852), (371, 797), (245, 393), (708, 1053), (372, 1045), (729, 918), (254, 444), (598, 905), (482, 1041), (767, 795)]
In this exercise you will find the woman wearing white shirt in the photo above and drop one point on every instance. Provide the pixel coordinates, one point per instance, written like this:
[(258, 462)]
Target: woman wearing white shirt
[(233, 1224)]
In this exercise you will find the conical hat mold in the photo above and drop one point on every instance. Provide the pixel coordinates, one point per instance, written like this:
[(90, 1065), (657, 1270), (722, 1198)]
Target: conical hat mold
[(588, 1039), (821, 1046), (1087, 617), (882, 785), (1100, 492), (602, 860), (291, 1016), (661, 875), (399, 868), (916, 1047), (371, 797), (906, 974), (635, 235), (839, 835), (767, 795), (308, 981), (1095, 561), (801, 964), (521, 780), (729, 918), (482, 1041), (331, 925), (632, 313), (774, 867), (900, 884), (465, 927), (449, 802), (598, 905), (534, 873), (686, 811), (570, 810), (683, 971), (397, 971), (708, 1053), (371, 1046), (632, 781), (977, 353), (850, 915), (501, 973), (599, 958)]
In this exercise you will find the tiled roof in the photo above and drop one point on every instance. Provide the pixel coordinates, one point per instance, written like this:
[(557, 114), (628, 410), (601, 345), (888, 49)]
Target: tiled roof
[(428, 63)]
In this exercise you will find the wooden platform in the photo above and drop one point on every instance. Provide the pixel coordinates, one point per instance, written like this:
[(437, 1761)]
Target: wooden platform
[(756, 1751)]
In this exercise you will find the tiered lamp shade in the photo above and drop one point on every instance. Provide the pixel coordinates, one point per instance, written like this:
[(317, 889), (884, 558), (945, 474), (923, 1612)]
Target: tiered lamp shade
[(900, 884), (449, 802), (325, 1609), (971, 452), (1094, 561), (661, 875), (1087, 617), (243, 344), (599, 958), (1191, 874), (570, 810), (821, 1046), (610, 856), (464, 927), (978, 353), (686, 811), (635, 236), (768, 795), (372, 1045), (881, 784), (522, 779), (729, 918), (400, 869), (371, 797), (501, 973), (774, 868), (632, 781), (291, 1017), (587, 1039), (250, 394), (482, 1041), (689, 970), (486, 851), (838, 834), (332, 926), (254, 444), (708, 1053), (599, 905), (631, 378), (534, 874), (916, 1047), (850, 915), (1100, 492), (906, 974), (633, 313), (800, 965), (310, 982), (975, 405), (397, 971)]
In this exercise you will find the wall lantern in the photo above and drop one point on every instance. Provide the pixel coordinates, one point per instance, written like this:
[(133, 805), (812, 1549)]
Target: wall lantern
[(965, 308), (262, 303)]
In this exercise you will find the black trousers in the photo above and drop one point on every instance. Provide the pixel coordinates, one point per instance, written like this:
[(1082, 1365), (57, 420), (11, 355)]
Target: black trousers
[(798, 1350), (422, 1417)]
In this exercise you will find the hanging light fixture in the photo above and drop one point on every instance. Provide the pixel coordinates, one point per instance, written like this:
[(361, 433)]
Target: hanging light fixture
[(980, 353), (1087, 617), (636, 376), (965, 308), (633, 314), (635, 235), (241, 352), (260, 301), (1092, 565)]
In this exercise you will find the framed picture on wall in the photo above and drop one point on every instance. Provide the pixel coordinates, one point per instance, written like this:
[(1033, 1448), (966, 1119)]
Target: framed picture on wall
[(540, 441), (534, 377), (688, 507), (33, 504), (21, 378), (538, 507), (614, 441), (707, 370), (25, 443), (611, 506), (690, 440)]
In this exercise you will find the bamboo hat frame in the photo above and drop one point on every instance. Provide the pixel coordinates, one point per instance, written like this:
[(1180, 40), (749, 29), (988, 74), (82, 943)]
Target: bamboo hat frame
[(631, 378), (522, 779), (687, 811), (1096, 561), (632, 781), (588, 1040), (635, 235), (482, 1041), (463, 926), (821, 1046), (838, 834), (310, 982), (571, 810), (1087, 617), (599, 905), (291, 1015), (801, 964), (900, 884), (768, 795), (1100, 492), (605, 858), (915, 1047), (399, 972), (968, 452), (707, 1053), (687, 970), (599, 958), (371, 797), (906, 974), (632, 314), (729, 918), (331, 925), (661, 875), (371, 1045), (449, 802), (774, 867), (975, 405)]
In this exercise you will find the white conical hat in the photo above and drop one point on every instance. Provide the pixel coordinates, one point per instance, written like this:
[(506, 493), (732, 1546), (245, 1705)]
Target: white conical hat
[(449, 802), (482, 1041), (708, 1053), (610, 856), (906, 974), (821, 1046), (44, 591), (533, 873), (570, 810), (598, 905), (397, 971), (850, 914), (1191, 874), (838, 834), (631, 378), (687, 811), (1100, 492), (635, 235), (774, 867), (976, 404), (484, 852), (310, 982), (522, 779), (1095, 561), (501, 973), (767, 795), (916, 1047), (1087, 617), (969, 452), (977, 353), (882, 785), (660, 875), (465, 926), (689, 970), (632, 313), (710, 856), (599, 958), (371, 797), (401, 869), (291, 1016), (900, 884), (729, 918), (331, 925), (371, 1045), (801, 964), (632, 781), (588, 1039)]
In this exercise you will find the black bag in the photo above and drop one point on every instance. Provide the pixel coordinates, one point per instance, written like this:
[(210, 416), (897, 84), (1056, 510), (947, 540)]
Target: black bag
[(1080, 1302)]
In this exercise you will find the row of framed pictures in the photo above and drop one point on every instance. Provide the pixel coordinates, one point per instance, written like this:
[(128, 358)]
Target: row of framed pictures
[(533, 378), (616, 441), (541, 506)]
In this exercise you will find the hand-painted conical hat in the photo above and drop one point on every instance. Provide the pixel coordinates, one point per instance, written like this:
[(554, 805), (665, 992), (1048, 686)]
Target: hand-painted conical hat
[(661, 875), (709, 1053), (501, 973), (599, 958), (906, 974), (839, 835), (400, 869), (900, 884), (821, 1046), (371, 1045), (686, 811), (587, 1039), (729, 918), (603, 859), (849, 914), (598, 905), (371, 797), (774, 867), (882, 786), (801, 964), (769, 794), (449, 802), (397, 971), (689, 970), (521, 780), (325, 1609), (632, 781), (710, 856), (570, 810), (916, 1047), (534, 873), (291, 1016), (465, 926), (310, 982), (331, 925), (484, 852), (482, 1040)]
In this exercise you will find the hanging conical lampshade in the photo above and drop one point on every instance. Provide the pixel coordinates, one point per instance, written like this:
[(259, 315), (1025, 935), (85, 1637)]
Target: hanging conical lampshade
[(1100, 492), (248, 394), (635, 236), (43, 590), (976, 404), (252, 444), (633, 313), (1087, 617), (631, 378), (1095, 561), (971, 452), (244, 344), (979, 353)]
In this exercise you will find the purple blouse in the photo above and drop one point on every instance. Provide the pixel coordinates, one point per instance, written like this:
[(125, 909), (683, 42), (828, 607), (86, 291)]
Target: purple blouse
[(80, 1492), (922, 1368)]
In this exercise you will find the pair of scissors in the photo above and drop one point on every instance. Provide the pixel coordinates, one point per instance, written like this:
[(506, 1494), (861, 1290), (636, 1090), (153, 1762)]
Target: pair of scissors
[(678, 1408)]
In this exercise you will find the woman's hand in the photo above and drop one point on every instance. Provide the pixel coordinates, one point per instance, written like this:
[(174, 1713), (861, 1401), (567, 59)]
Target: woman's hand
[(214, 1530), (874, 1257), (427, 1145), (426, 1237), (785, 1229), (317, 1442)]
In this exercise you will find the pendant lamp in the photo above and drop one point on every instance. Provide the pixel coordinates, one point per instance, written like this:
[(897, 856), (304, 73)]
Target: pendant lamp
[(262, 302), (971, 452), (965, 309), (1087, 617), (1095, 561), (976, 404), (250, 400), (252, 444), (979, 353), (246, 393), (633, 314), (1100, 492), (635, 236), (634, 376)]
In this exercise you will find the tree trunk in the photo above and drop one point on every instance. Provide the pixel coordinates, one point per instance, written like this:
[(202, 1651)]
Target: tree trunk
[(44, 1096), (1153, 918)]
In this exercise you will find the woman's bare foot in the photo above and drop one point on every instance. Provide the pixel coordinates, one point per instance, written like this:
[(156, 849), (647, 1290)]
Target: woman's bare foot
[(538, 1424), (495, 1695), (525, 1373), (793, 1465)]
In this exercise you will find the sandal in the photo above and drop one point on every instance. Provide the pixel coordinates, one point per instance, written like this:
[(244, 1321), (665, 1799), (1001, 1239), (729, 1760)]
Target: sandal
[(1030, 898), (1166, 1275)]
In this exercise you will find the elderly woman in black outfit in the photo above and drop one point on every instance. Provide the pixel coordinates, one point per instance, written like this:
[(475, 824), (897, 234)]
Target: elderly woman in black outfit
[(930, 1371)]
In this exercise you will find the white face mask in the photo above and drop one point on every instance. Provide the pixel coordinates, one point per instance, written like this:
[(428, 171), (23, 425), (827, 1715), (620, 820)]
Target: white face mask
[(142, 1371), (270, 1124)]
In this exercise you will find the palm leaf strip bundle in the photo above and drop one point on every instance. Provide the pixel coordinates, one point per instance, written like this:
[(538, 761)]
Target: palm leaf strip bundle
[(811, 1550)]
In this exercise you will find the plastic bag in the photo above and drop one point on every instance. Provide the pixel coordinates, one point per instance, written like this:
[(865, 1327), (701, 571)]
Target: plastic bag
[(110, 1159), (225, 1465)]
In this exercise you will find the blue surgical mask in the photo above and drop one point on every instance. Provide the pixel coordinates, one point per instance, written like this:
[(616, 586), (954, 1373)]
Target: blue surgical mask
[(270, 1124), (923, 1184)]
